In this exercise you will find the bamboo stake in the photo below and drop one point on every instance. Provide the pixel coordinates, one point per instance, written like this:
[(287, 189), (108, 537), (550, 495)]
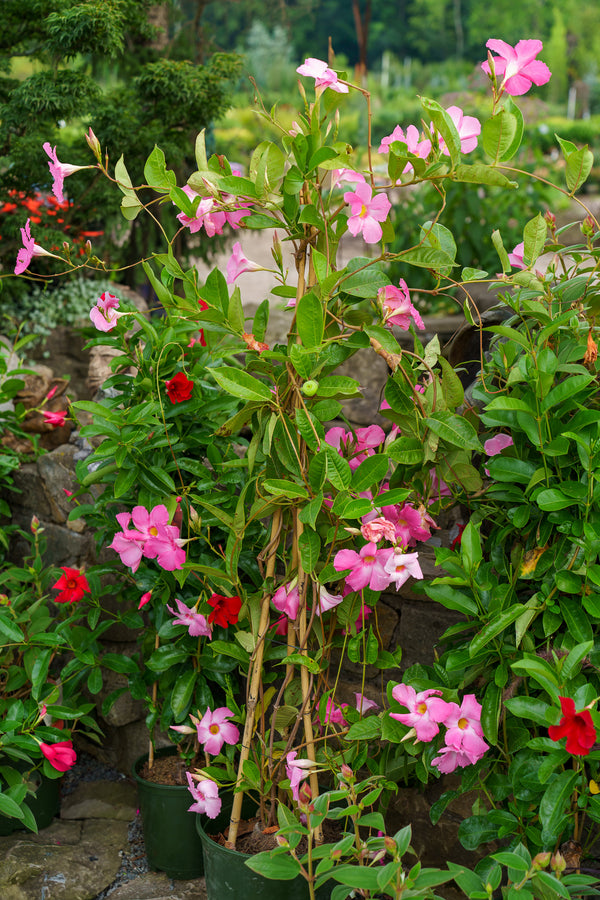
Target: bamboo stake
[(255, 681), (154, 699)]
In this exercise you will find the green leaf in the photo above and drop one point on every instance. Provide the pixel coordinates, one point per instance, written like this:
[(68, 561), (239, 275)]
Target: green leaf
[(503, 255), (576, 620), (364, 278), (283, 488), (479, 173), (10, 629), (552, 499), (274, 865), (333, 385), (498, 134), (532, 709), (310, 547), (490, 711), (240, 384), (446, 127), (367, 729), (406, 451), (566, 390), (308, 514), (309, 320), (156, 173), (554, 806), (495, 627), (534, 235), (454, 430), (301, 659), (371, 471), (579, 163), (182, 693), (427, 258)]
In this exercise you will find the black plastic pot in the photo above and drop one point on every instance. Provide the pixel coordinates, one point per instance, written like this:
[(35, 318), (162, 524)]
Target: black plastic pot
[(229, 878), (44, 804), (172, 842)]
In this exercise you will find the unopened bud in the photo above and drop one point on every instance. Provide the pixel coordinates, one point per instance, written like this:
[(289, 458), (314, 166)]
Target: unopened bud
[(541, 860), (281, 841), (94, 145), (305, 794), (88, 248), (335, 854), (390, 844), (550, 219), (276, 251), (4, 601), (35, 524), (347, 772), (558, 863), (588, 226)]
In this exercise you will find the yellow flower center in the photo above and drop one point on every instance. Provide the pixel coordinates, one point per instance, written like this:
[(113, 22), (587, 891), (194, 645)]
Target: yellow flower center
[(214, 729), (463, 723), (422, 708), (363, 212)]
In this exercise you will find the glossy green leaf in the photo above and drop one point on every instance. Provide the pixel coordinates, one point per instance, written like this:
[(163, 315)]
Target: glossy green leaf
[(498, 134), (310, 547), (454, 430), (534, 235), (284, 488), (370, 472), (309, 320), (240, 384), (482, 174)]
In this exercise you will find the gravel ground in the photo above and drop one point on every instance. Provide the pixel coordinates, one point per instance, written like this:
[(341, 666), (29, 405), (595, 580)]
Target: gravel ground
[(134, 861)]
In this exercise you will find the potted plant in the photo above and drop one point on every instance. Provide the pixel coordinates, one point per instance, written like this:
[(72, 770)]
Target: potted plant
[(323, 516)]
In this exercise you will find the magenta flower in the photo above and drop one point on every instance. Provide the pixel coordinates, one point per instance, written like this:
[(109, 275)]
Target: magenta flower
[(334, 715), (29, 250), (152, 537), (366, 567), (195, 622), (366, 212), (239, 263), (214, 730), (105, 313), (410, 524), (397, 307), (296, 770), (323, 75), (147, 522), (145, 598), (450, 759), (286, 599), (166, 548), (206, 796), (401, 566), (426, 710), (497, 444), (468, 127), (464, 730), (55, 419), (516, 258), (129, 547), (59, 171), (355, 447), (518, 65)]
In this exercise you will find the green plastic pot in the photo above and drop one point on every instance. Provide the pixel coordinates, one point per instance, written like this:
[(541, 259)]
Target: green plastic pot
[(172, 842), (44, 804), (229, 878)]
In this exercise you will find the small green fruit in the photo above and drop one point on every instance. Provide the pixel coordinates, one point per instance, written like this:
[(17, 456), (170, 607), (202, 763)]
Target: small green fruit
[(310, 388)]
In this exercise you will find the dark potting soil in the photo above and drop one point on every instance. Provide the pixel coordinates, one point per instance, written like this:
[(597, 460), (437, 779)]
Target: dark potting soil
[(253, 838), (165, 770)]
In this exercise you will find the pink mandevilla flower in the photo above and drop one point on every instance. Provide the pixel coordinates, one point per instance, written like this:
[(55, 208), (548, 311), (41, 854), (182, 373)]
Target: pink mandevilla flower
[(345, 176), (355, 447), (516, 258), (214, 730), (378, 529), (334, 715), (194, 621), (239, 263), (296, 770), (207, 215), (206, 796), (463, 724), (363, 704), (152, 537), (29, 250), (287, 599), (327, 601), (415, 144), (401, 566), (451, 759), (468, 127), (497, 444), (366, 212), (59, 171), (426, 710), (323, 75), (366, 567), (518, 65), (105, 313), (397, 306)]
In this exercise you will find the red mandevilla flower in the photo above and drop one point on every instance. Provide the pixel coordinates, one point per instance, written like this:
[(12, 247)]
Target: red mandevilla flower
[(577, 727), (60, 755), (179, 388), (225, 610), (72, 585)]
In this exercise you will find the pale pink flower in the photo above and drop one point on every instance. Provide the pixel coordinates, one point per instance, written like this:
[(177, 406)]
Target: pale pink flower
[(401, 566), (55, 419), (397, 307), (468, 127), (327, 601), (182, 729), (130, 548), (214, 730), (239, 263), (366, 212), (195, 622), (286, 599), (207, 215), (59, 171), (363, 704), (105, 313), (296, 129), (497, 444), (323, 75), (378, 529), (516, 257), (518, 65), (29, 250), (167, 548), (334, 715), (420, 146), (463, 724), (426, 710), (346, 176), (366, 567), (206, 796), (296, 770)]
